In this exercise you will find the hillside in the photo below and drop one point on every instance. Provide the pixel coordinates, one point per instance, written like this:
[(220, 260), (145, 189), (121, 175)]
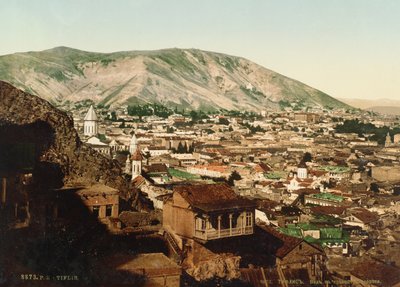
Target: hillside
[(58, 149), (190, 78)]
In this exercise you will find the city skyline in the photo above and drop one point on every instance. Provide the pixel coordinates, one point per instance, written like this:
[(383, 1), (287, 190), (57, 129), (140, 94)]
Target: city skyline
[(344, 48)]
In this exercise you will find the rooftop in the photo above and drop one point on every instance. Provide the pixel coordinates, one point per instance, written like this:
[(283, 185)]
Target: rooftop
[(91, 115), (213, 197), (327, 196)]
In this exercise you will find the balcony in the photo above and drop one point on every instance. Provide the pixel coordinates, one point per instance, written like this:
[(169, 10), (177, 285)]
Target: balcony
[(223, 233)]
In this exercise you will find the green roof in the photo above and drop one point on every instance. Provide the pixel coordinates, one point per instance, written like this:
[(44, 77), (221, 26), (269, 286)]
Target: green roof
[(294, 232), (335, 169), (183, 174), (331, 233), (275, 175), (328, 196)]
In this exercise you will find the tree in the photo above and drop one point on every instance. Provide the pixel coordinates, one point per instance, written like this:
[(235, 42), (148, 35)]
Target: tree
[(180, 149), (223, 121), (114, 116), (191, 148), (307, 157), (234, 176)]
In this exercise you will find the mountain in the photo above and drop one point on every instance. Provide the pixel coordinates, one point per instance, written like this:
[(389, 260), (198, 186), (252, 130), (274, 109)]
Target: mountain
[(185, 78), (385, 110), (369, 104)]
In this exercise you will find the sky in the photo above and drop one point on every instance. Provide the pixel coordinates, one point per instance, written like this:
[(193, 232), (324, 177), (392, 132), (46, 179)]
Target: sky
[(346, 48)]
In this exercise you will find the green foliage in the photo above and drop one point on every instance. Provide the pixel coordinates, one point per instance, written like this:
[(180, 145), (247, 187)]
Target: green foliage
[(253, 93), (106, 61), (198, 115), (307, 157), (223, 121), (234, 176), (284, 104), (254, 129), (149, 109), (355, 126)]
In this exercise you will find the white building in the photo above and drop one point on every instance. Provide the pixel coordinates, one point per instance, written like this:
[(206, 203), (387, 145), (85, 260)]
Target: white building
[(90, 123), (98, 145)]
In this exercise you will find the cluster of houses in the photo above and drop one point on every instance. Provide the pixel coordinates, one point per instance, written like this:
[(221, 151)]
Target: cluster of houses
[(285, 206)]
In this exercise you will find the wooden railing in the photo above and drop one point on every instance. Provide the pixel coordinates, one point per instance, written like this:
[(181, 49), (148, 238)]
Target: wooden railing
[(222, 233)]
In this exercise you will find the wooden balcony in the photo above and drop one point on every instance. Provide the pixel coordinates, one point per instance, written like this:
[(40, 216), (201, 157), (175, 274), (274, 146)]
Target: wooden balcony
[(211, 234)]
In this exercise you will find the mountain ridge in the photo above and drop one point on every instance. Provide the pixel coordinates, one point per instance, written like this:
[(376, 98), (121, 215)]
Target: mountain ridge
[(188, 78)]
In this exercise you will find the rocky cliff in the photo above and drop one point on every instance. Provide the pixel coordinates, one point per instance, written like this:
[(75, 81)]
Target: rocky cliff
[(27, 118)]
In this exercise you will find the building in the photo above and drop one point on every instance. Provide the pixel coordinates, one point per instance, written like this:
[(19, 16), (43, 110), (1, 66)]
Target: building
[(133, 144), (98, 145), (156, 269), (90, 123), (306, 117), (375, 274), (136, 159), (324, 199), (207, 212), (302, 171), (102, 201)]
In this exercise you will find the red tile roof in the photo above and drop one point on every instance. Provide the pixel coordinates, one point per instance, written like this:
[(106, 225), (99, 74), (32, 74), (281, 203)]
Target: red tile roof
[(373, 271), (212, 197), (137, 155), (289, 242)]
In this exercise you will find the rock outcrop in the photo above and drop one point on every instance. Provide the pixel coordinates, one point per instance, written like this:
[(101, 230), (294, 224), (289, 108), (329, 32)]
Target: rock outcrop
[(27, 118)]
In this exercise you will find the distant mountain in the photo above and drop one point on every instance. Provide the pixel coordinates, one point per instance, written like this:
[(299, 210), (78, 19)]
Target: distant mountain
[(385, 110), (191, 78), (368, 104)]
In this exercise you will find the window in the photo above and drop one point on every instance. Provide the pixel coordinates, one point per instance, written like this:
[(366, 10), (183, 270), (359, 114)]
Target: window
[(200, 224), (108, 210), (249, 219), (203, 224), (96, 211)]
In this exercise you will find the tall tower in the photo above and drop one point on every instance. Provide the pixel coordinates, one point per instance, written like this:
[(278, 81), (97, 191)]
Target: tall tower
[(302, 171), (136, 159), (133, 144), (388, 141), (128, 166), (90, 124)]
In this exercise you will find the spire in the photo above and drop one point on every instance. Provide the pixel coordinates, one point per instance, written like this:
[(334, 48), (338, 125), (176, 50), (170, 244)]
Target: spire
[(137, 156), (128, 166), (91, 114), (133, 144)]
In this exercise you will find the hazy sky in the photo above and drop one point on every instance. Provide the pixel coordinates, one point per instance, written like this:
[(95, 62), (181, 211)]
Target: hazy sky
[(346, 48)]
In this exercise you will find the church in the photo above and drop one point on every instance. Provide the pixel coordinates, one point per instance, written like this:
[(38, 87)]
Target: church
[(133, 164)]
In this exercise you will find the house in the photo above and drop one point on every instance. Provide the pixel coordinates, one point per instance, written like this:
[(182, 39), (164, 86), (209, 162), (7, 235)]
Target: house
[(361, 217), (209, 170), (206, 212), (95, 143), (373, 273), (293, 253), (324, 199), (158, 173), (102, 201), (156, 150), (149, 269)]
